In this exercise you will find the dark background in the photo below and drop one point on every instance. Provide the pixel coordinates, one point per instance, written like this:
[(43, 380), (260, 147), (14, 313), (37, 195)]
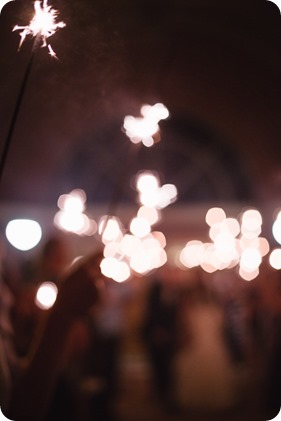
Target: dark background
[(216, 65)]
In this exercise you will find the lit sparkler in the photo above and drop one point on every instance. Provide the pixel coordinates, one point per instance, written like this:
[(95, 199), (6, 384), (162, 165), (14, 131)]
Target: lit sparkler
[(43, 25)]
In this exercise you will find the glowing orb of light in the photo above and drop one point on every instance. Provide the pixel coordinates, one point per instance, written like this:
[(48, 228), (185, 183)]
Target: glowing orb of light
[(111, 267), (276, 230), (151, 214), (44, 24), (248, 276), (46, 295), (147, 181), (143, 129), (23, 234), (275, 259), (215, 216), (140, 227), (250, 259), (192, 254), (110, 228)]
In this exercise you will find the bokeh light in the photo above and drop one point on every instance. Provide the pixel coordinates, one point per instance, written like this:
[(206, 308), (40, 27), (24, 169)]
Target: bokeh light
[(46, 295), (144, 129), (23, 234), (275, 259)]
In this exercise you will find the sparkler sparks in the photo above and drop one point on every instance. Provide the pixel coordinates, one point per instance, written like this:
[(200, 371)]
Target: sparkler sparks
[(43, 25)]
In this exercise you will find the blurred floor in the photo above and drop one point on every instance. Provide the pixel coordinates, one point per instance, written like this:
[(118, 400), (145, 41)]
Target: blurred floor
[(137, 400)]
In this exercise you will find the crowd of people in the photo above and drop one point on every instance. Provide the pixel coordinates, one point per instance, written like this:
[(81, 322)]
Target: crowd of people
[(198, 333)]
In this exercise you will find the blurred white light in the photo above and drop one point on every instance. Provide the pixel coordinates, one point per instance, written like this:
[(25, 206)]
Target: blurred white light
[(109, 266), (123, 272), (150, 198), (46, 295), (250, 259), (140, 227), (112, 249), (73, 202), (167, 195), (71, 222), (276, 230), (156, 112), (251, 220), (214, 216), (225, 247), (214, 230), (117, 270), (141, 262), (130, 244), (160, 237), (275, 259), (263, 246), (23, 234), (110, 229), (192, 254), (151, 214), (147, 181), (248, 276), (251, 234), (232, 226), (142, 129)]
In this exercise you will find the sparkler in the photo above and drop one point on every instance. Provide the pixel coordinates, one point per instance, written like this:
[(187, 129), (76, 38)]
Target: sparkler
[(43, 25)]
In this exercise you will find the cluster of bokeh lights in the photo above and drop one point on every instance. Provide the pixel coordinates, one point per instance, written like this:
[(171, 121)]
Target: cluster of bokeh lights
[(71, 216), (233, 242), (146, 129), (138, 248)]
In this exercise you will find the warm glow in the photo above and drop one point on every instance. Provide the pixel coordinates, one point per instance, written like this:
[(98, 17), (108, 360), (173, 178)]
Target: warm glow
[(251, 220), (156, 112), (140, 227), (73, 202), (160, 237), (130, 245), (111, 267), (147, 181), (275, 259), (276, 230), (250, 259), (151, 194), (148, 213), (71, 217), (43, 24), (46, 295), (143, 129), (141, 262), (192, 254), (248, 276), (225, 247), (23, 234), (110, 229), (167, 194), (215, 216), (72, 222)]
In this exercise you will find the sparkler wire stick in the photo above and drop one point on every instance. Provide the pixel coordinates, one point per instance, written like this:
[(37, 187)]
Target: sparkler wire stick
[(17, 107), (119, 185), (42, 26)]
